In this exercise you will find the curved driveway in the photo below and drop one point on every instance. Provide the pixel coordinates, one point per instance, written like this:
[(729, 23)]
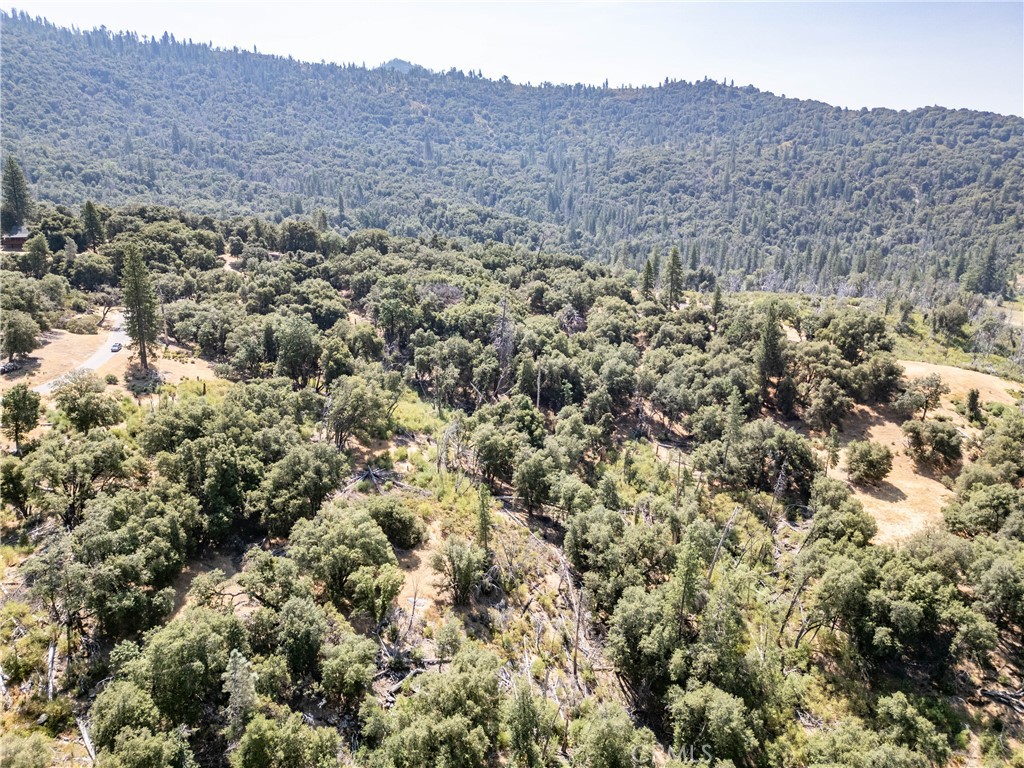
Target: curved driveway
[(98, 358)]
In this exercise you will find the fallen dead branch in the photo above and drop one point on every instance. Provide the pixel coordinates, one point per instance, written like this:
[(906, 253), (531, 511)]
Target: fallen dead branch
[(807, 720), (1012, 699), (86, 740), (379, 478)]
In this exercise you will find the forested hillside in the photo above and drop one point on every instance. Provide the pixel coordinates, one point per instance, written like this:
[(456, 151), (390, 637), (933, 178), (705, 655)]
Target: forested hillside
[(772, 192), (399, 419), (421, 504)]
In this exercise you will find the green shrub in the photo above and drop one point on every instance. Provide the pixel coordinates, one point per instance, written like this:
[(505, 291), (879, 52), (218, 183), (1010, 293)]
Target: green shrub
[(449, 638), (30, 751), (933, 441), (23, 642), (460, 565), (285, 743), (78, 303), (84, 325), (60, 714), (401, 525), (868, 462), (121, 705), (348, 668)]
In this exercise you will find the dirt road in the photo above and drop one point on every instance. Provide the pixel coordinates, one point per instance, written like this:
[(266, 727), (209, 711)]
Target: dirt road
[(102, 354)]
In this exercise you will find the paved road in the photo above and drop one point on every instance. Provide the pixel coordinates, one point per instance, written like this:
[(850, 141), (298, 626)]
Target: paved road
[(98, 358)]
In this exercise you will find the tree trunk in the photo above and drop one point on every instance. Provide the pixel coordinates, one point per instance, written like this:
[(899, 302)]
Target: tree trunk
[(789, 611), (142, 353)]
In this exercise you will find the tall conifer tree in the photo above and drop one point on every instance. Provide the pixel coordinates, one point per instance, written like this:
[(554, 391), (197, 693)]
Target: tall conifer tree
[(139, 303), (770, 362), (92, 224), (673, 278), (17, 202), (647, 281)]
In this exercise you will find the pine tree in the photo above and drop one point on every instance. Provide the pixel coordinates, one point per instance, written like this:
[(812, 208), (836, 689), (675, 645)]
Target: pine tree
[(92, 224), (770, 362), (831, 450), (240, 687), (991, 278), (523, 721), (673, 278), (656, 263), (974, 406), (647, 281), (139, 303), (685, 584), (17, 202), (735, 418), (716, 302), (484, 519)]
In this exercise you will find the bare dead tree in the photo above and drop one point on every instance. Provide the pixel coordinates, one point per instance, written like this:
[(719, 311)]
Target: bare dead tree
[(503, 337)]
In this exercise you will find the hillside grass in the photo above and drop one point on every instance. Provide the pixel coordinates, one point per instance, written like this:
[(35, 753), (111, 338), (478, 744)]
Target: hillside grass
[(918, 342)]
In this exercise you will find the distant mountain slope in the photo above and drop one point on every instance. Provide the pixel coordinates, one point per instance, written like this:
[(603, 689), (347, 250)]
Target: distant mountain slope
[(797, 193)]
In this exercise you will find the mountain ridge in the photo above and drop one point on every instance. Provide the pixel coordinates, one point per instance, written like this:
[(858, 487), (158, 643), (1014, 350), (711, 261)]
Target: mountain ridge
[(783, 192)]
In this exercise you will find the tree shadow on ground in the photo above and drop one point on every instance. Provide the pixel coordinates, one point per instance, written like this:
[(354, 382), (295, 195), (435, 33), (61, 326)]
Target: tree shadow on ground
[(884, 491)]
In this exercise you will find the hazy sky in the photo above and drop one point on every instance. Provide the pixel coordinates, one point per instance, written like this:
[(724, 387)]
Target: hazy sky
[(893, 54)]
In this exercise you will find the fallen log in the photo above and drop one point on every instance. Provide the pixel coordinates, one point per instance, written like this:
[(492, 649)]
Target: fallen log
[(1012, 699), (395, 688), (51, 658), (86, 740), (3, 689)]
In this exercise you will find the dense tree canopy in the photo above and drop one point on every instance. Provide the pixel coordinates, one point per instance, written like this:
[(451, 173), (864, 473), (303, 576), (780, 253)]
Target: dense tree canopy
[(774, 192)]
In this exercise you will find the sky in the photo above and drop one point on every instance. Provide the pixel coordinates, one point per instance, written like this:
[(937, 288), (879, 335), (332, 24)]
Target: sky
[(866, 54)]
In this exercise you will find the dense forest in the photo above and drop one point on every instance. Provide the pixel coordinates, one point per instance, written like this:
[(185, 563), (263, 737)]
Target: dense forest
[(768, 192), (618, 497)]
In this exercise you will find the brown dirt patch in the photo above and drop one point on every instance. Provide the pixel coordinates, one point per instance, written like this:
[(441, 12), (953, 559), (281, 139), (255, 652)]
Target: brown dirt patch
[(241, 604), (60, 352), (358, 318), (420, 593), (230, 262), (173, 370), (908, 501), (992, 389)]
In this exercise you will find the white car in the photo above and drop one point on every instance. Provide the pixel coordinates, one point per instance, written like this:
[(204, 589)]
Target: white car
[(115, 347)]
